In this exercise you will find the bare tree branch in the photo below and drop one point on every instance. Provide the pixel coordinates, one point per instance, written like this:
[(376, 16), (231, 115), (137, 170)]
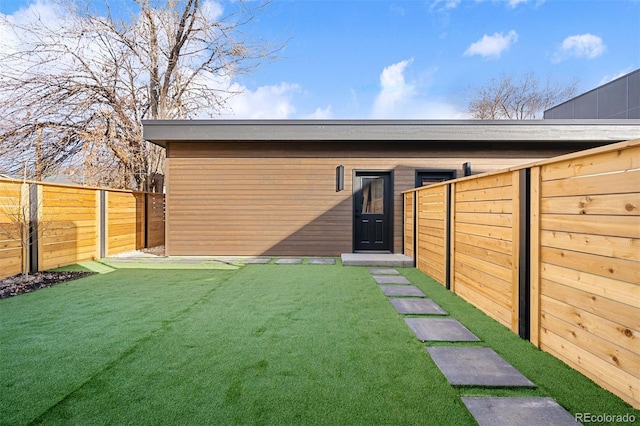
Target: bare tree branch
[(84, 81), (506, 99)]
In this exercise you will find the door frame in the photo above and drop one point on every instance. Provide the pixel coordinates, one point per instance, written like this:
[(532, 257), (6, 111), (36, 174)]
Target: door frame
[(388, 201)]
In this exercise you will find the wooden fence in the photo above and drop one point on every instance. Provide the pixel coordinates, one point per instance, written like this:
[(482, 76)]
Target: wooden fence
[(551, 250), (65, 224)]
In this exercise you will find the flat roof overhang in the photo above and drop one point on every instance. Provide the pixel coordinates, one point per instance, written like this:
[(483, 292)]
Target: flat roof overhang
[(160, 132)]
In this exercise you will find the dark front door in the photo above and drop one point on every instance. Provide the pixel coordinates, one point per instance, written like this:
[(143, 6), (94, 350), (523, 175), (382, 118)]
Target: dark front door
[(372, 211)]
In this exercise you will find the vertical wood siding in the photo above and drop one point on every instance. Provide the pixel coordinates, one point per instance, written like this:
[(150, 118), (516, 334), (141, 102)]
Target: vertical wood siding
[(584, 257)]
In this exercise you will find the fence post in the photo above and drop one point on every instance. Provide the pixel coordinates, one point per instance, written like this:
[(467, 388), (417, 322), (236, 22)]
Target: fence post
[(451, 235), (524, 283), (534, 258), (103, 223), (147, 199), (32, 252), (447, 237)]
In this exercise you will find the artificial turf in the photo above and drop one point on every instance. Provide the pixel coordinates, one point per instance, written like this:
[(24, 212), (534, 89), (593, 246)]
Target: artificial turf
[(261, 344)]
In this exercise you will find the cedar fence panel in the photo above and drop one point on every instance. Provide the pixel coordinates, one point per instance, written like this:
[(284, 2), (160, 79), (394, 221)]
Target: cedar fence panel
[(552, 251), (590, 266), (484, 270), (431, 247), (74, 224), (409, 218), (122, 218), (68, 224), (11, 250)]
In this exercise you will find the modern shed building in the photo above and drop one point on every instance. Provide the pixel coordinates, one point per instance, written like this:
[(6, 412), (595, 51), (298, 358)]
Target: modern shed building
[(322, 188), (619, 99)]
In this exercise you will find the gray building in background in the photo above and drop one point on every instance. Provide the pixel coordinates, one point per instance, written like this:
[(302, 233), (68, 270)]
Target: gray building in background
[(618, 99)]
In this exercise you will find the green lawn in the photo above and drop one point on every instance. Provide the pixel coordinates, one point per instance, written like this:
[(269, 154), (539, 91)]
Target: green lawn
[(260, 344)]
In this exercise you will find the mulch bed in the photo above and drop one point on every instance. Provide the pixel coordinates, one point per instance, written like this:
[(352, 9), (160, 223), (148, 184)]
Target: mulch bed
[(19, 284)]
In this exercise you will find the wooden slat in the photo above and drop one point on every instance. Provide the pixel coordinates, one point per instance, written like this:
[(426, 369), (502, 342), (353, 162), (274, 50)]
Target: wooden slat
[(620, 291), (608, 376), (613, 183), (622, 248), (621, 313), (613, 160), (615, 226), (613, 204), (602, 327)]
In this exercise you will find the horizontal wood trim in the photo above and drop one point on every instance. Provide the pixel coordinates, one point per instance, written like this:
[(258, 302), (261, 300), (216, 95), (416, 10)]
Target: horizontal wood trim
[(621, 182), (620, 291), (493, 181), (610, 204), (603, 245), (488, 243), (610, 377), (485, 266), (491, 287), (486, 305), (623, 313), (615, 226), (610, 331), (497, 232), (488, 194), (584, 165)]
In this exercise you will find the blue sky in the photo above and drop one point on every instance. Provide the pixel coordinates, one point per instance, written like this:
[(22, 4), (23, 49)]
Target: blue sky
[(418, 58)]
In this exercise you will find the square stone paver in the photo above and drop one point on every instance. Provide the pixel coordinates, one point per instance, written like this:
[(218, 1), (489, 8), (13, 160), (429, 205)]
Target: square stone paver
[(417, 306), (383, 271), (476, 367), (391, 279), (440, 330), (322, 261), (492, 411), (257, 261), (402, 290), (288, 261)]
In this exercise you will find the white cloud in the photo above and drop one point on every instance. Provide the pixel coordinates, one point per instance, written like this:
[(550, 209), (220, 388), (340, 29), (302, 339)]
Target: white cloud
[(587, 46), (321, 113), (515, 3), (610, 77), (266, 102), (212, 10), (399, 98), (492, 46), (512, 4), (394, 90), (445, 4)]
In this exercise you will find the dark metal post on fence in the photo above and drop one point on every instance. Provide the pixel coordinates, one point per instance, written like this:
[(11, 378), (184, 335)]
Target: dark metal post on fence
[(147, 199), (447, 247), (103, 223), (33, 228), (524, 281)]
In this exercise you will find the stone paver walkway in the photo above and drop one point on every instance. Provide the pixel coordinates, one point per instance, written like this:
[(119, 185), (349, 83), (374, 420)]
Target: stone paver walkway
[(468, 365), (402, 290), (417, 307), (440, 330)]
